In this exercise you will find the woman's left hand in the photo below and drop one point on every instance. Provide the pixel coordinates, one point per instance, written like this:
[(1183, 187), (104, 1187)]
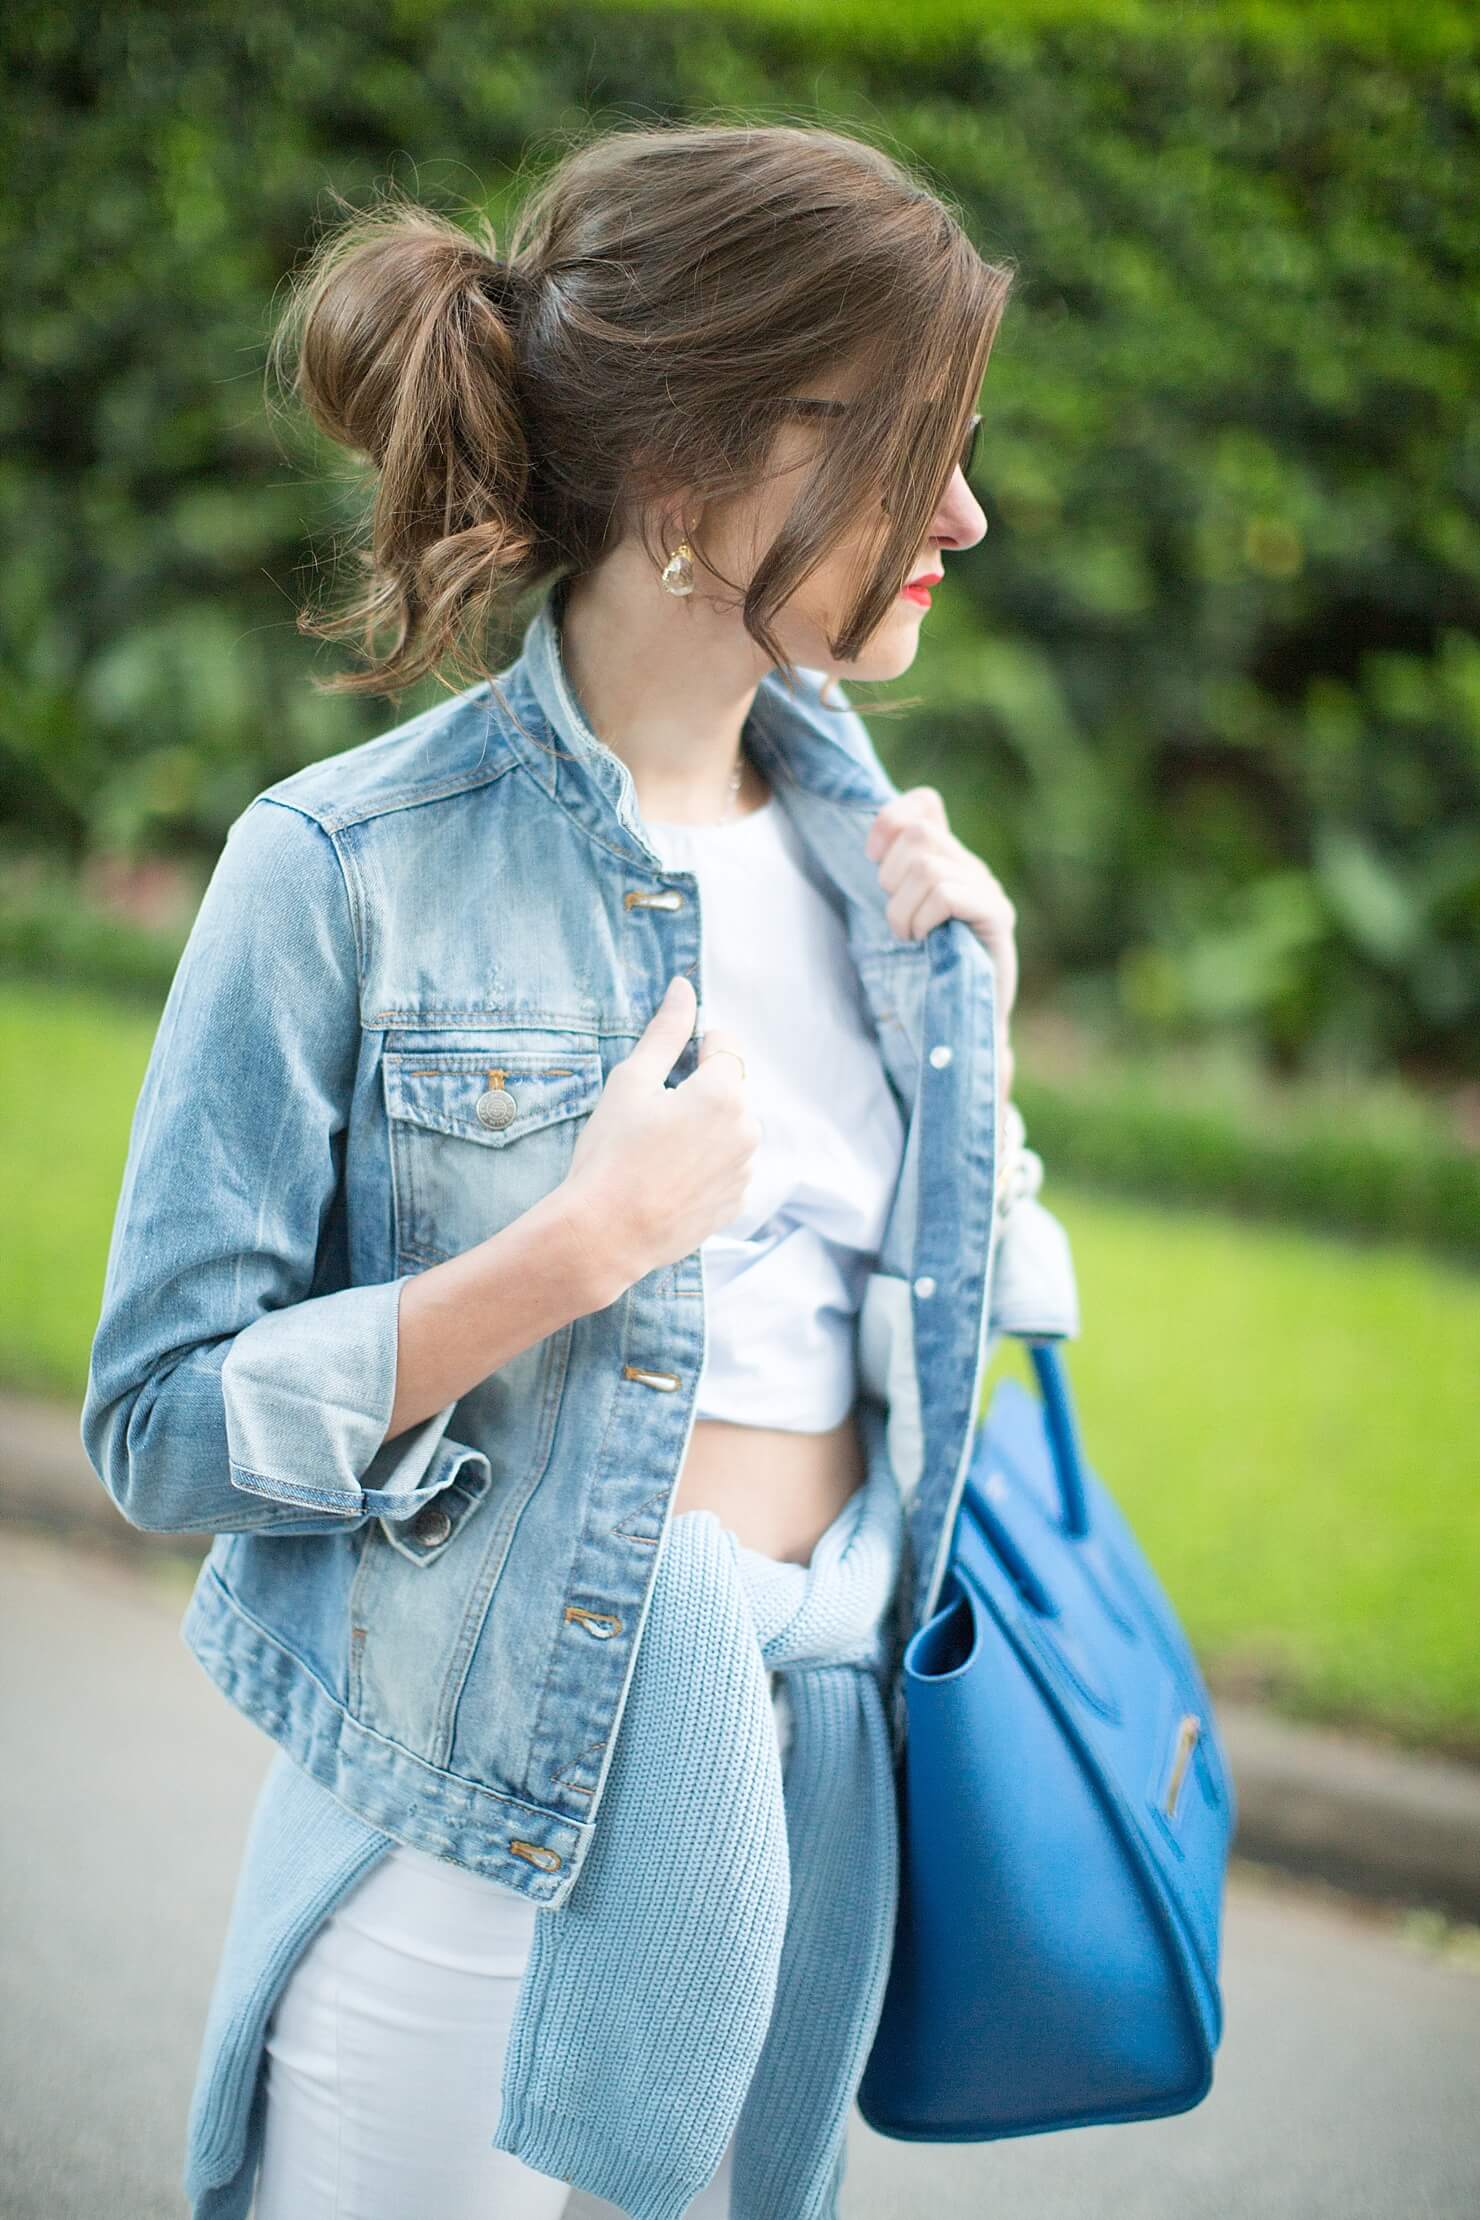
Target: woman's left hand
[(929, 875)]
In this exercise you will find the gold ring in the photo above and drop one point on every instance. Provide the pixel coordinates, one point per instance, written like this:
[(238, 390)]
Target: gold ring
[(740, 1060)]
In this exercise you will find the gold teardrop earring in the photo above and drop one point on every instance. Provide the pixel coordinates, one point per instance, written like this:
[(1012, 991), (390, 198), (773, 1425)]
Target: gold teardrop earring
[(677, 573)]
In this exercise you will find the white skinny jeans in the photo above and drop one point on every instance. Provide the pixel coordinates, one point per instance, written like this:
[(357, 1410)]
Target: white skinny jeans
[(385, 2057)]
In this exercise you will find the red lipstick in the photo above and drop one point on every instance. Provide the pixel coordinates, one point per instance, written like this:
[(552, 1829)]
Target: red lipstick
[(918, 589)]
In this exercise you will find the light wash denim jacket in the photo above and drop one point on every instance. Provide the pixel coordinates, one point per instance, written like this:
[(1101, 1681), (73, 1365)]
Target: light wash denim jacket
[(441, 1629)]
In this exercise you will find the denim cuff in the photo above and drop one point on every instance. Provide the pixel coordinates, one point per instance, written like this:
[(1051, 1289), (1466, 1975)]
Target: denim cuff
[(1034, 1291), (308, 1393)]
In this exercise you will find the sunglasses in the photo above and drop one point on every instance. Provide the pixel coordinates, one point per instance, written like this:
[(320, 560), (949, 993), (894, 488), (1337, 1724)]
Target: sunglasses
[(806, 405)]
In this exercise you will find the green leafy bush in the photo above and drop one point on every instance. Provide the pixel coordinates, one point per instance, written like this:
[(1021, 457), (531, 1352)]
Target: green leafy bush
[(1208, 696)]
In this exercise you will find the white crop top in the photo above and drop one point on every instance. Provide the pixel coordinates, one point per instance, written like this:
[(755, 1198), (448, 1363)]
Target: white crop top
[(784, 1279)]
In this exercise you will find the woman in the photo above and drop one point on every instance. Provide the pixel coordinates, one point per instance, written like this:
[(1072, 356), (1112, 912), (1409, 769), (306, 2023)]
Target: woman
[(433, 1132)]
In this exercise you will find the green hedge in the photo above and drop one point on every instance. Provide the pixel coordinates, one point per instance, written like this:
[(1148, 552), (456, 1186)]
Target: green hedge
[(1302, 1158), (1208, 696)]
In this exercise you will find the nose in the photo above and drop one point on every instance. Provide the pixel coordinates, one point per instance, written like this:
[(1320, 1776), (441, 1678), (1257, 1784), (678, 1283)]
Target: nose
[(960, 521)]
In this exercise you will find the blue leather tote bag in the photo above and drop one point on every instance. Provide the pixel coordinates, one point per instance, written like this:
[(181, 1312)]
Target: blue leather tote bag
[(1066, 1810)]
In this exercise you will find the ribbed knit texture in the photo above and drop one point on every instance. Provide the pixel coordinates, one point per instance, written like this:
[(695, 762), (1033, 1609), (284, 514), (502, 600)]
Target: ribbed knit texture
[(726, 1943), (722, 1955)]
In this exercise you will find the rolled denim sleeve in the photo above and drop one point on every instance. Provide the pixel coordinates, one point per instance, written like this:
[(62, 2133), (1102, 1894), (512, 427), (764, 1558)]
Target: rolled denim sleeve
[(1035, 1294), (234, 1384)]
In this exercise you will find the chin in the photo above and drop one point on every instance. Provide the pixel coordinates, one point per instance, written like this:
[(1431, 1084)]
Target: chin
[(890, 652)]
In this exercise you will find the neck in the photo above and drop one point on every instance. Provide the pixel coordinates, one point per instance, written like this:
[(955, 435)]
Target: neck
[(665, 685)]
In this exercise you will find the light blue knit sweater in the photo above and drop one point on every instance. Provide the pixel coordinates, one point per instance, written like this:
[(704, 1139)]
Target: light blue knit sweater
[(719, 1965)]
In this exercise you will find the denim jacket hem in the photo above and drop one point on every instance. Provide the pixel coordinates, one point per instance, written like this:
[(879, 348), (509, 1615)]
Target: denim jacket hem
[(535, 1853)]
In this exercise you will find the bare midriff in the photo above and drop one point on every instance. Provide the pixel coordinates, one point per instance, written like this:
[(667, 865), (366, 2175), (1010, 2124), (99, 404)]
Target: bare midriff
[(777, 1490)]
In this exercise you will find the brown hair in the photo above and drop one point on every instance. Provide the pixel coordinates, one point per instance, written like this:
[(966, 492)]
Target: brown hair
[(666, 294)]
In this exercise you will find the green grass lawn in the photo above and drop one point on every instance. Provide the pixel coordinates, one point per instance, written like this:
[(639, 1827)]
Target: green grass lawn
[(1289, 1424), (1288, 1421)]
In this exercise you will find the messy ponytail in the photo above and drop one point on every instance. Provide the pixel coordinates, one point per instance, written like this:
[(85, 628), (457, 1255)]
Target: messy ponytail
[(665, 298), (405, 331)]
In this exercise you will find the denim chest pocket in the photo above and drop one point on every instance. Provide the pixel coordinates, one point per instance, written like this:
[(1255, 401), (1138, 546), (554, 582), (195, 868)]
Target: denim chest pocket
[(480, 1133)]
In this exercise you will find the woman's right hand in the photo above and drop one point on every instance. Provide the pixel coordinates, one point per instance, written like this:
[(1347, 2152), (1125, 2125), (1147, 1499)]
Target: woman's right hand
[(657, 1169)]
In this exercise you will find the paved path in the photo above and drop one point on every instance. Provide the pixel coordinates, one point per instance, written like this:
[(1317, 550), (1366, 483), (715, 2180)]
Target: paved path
[(1347, 2084)]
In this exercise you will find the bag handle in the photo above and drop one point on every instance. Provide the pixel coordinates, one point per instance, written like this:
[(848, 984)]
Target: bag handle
[(1063, 1435)]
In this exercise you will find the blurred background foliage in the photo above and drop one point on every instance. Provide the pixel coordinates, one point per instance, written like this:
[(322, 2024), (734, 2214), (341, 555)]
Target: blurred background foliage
[(1208, 696)]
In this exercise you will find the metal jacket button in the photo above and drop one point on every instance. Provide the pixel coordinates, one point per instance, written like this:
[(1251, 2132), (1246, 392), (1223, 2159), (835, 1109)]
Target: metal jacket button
[(671, 898), (496, 1109), (431, 1524)]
